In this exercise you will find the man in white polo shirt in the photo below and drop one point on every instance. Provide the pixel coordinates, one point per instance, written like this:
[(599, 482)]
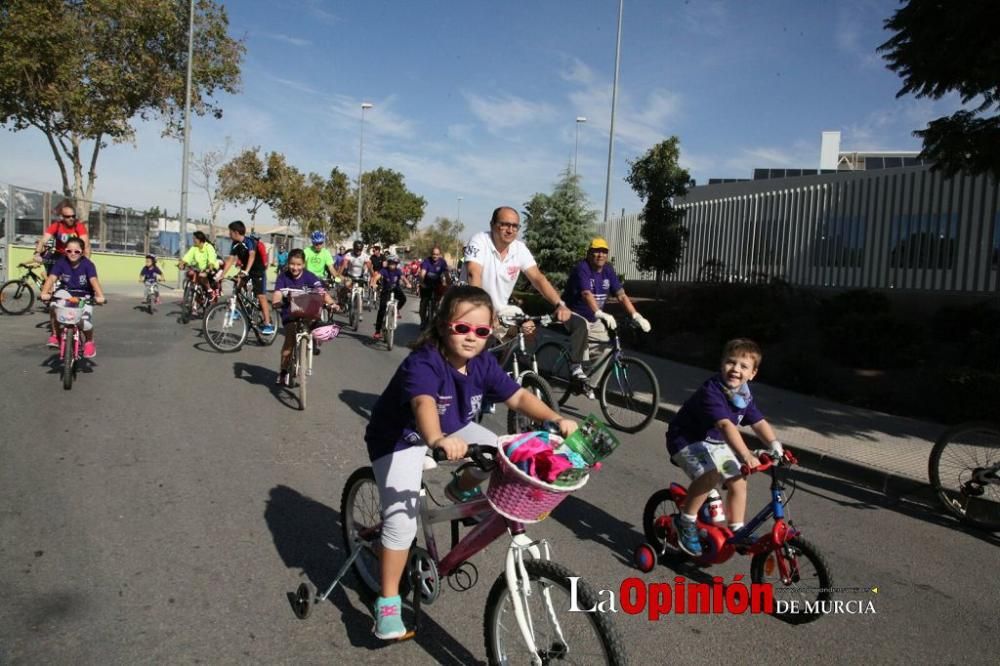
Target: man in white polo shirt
[(494, 261)]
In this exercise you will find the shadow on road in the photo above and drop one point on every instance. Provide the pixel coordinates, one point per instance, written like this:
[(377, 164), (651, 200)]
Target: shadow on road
[(260, 376), (360, 403), (307, 536), (591, 523)]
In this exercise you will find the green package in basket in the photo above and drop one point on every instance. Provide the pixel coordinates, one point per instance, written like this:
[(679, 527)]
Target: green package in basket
[(592, 441)]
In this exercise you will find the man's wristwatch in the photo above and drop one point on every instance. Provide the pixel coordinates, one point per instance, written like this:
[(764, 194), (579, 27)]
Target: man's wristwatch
[(560, 304)]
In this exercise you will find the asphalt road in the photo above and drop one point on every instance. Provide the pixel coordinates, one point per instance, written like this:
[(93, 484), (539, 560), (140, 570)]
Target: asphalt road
[(161, 511)]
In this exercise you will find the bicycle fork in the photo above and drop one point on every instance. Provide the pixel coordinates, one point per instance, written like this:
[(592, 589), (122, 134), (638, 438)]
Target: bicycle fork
[(519, 583)]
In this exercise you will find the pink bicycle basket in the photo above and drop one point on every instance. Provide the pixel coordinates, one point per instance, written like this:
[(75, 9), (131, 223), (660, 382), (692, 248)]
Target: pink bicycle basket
[(517, 496)]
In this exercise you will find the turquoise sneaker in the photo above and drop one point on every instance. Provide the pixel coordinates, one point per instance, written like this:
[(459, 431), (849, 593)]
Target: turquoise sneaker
[(388, 618), (452, 492)]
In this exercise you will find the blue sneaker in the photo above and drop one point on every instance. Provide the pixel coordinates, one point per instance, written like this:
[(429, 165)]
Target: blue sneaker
[(237, 316), (388, 618), (267, 329), (687, 536)]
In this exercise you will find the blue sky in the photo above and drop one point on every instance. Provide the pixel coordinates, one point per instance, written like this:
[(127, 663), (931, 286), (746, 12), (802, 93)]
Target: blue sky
[(478, 99)]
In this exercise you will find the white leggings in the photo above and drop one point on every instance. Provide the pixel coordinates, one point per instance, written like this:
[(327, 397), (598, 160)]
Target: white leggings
[(398, 476)]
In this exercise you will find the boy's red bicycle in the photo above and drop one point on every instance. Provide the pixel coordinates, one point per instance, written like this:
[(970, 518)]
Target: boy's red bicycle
[(793, 566)]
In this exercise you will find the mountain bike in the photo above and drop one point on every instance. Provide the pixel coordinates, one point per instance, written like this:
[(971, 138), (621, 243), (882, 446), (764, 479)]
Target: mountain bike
[(17, 296), (196, 298), (227, 323), (964, 469), (522, 366), (526, 619), (627, 389), (73, 315), (780, 556)]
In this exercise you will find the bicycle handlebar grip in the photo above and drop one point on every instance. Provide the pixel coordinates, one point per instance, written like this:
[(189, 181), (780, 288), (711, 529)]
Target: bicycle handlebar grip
[(765, 464)]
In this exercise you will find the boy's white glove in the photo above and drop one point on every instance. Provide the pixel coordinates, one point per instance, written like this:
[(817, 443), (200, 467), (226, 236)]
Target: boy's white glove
[(777, 451), (641, 321), (608, 320)]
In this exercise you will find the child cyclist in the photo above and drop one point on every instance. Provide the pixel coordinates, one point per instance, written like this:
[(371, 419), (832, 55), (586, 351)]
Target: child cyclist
[(295, 276), (77, 275), (433, 400), (704, 439), (151, 274), (389, 276)]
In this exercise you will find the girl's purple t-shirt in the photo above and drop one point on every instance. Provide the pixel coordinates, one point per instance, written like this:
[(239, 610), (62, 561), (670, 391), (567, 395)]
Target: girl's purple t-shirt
[(695, 422), (149, 273), (459, 397), (305, 280), (75, 279)]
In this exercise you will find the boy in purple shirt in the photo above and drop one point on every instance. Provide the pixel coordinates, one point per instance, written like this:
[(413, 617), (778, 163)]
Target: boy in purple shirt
[(433, 400), (704, 439), (389, 276), (587, 290)]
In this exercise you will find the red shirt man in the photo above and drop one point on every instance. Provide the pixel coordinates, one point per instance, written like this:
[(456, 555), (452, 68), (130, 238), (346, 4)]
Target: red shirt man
[(62, 229)]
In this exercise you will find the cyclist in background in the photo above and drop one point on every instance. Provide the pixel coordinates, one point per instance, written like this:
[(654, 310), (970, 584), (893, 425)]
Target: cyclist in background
[(377, 258), (77, 275), (389, 276), (355, 266), (61, 230), (433, 274), (318, 259), (281, 258), (244, 252), (151, 273), (202, 260)]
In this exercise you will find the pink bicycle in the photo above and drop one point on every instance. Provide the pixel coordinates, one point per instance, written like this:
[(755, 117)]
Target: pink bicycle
[(527, 618)]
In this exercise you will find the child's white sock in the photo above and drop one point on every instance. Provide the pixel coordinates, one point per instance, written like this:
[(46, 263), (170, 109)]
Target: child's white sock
[(690, 518), (735, 526)]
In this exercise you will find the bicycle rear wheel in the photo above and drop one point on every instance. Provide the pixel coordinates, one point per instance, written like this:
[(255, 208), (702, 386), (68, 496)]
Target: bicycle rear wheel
[(559, 635), (224, 331), (187, 303), (553, 366), (809, 577), (16, 297), (629, 394), (300, 369), (964, 468), (518, 423)]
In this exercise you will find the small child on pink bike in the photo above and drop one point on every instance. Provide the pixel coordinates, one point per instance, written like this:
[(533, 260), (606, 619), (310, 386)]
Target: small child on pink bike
[(433, 400), (704, 440)]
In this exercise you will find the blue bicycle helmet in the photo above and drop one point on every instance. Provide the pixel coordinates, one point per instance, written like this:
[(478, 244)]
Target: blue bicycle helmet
[(318, 237)]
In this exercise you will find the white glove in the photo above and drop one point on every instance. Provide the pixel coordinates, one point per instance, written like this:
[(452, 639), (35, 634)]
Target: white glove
[(608, 320), (642, 322), (777, 451)]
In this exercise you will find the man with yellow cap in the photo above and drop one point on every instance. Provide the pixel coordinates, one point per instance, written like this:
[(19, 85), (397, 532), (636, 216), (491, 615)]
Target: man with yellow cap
[(587, 290)]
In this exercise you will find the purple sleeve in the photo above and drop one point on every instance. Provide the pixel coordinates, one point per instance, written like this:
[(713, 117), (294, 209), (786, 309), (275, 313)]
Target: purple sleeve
[(419, 375), (90, 270), (281, 282), (580, 274), (426, 265), (614, 284), (158, 271), (752, 414), (498, 385)]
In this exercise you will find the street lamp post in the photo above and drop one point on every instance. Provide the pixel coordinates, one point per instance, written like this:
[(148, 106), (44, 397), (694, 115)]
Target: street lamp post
[(459, 220), (361, 157), (186, 155), (614, 105), (576, 147)]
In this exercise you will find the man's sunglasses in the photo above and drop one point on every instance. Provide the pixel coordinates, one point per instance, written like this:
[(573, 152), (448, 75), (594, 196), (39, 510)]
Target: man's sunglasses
[(69, 217), (463, 328)]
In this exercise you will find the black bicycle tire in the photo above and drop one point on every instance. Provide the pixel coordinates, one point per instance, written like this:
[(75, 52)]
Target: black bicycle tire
[(819, 562), (355, 320), (303, 363), (208, 338), (21, 284), (649, 516), (362, 474), (537, 384), (564, 392), (68, 360), (934, 472), (610, 639), (390, 326), (602, 395)]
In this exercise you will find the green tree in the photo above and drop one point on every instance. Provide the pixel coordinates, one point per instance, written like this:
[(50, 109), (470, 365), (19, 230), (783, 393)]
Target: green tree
[(82, 72), (337, 204), (559, 227), (657, 178), (445, 233), (390, 212), (943, 47), (248, 179)]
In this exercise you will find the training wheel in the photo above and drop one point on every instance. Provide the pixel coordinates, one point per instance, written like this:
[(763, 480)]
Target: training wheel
[(644, 557), (301, 602)]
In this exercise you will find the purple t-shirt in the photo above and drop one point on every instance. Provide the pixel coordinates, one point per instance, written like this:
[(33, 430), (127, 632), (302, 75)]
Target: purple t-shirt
[(435, 271), (390, 278), (305, 280), (695, 422), (459, 397), (75, 280), (149, 273), (584, 278)]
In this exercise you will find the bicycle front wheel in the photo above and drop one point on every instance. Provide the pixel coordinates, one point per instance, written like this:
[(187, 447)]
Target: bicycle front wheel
[(534, 384), (964, 469), (16, 297), (224, 331), (390, 326), (808, 577), (629, 394), (559, 635), (355, 312), (301, 366), (68, 359), (553, 366)]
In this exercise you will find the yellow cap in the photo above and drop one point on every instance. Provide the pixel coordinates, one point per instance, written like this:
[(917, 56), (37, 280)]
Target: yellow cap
[(599, 244)]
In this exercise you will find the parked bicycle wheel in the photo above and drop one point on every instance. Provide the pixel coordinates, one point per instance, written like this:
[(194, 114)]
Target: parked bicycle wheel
[(582, 638), (300, 370), (518, 423), (629, 394), (964, 469), (361, 513), (224, 331), (809, 577), (16, 297), (553, 365), (68, 359)]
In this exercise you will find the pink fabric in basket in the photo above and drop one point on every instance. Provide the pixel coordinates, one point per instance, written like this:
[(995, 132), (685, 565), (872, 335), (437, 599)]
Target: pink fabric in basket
[(543, 462)]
